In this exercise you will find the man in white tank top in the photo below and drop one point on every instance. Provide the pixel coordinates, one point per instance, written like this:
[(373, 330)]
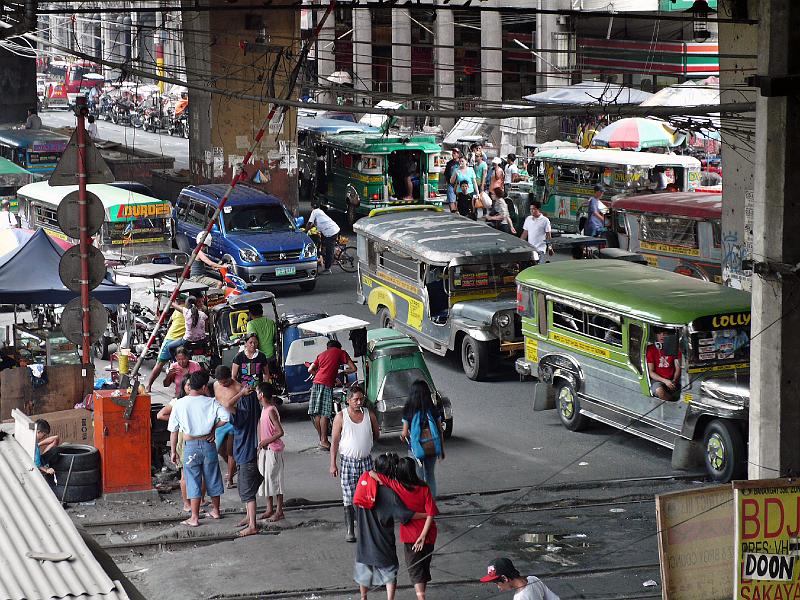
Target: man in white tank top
[(355, 430)]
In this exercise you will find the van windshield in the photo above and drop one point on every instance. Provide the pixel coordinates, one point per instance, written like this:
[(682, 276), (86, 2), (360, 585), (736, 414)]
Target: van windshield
[(257, 219)]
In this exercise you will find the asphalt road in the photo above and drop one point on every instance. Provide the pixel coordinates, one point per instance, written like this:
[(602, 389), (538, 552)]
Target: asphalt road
[(159, 143)]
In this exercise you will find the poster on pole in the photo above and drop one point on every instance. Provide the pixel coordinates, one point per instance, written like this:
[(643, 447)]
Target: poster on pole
[(767, 539), (695, 543)]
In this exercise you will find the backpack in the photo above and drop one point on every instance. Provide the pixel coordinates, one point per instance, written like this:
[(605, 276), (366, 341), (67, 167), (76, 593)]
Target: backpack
[(366, 491), (425, 440)]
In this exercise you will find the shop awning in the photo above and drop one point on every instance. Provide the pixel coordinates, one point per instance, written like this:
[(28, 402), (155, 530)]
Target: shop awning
[(589, 93), (30, 276)]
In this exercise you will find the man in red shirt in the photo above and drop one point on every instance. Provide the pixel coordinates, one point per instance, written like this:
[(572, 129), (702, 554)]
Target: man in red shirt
[(325, 368), (664, 369)]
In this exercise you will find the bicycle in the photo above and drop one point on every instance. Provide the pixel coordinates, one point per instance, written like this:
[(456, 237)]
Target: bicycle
[(345, 256)]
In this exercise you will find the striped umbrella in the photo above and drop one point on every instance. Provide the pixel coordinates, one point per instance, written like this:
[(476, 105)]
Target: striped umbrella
[(637, 133)]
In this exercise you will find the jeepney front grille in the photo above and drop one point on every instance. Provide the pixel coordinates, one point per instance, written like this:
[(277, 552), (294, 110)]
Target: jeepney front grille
[(281, 255)]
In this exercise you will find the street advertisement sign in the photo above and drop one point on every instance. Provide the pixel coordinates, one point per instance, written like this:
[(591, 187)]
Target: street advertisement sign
[(767, 539), (694, 542)]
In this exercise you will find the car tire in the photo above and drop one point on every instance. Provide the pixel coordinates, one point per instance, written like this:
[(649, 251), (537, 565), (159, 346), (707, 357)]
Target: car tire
[(77, 493), (448, 428), (308, 286), (724, 451), (475, 358), (78, 478), (385, 318), (80, 456), (569, 407)]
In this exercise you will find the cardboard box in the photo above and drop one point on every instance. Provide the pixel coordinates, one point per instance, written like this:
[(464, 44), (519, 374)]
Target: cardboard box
[(74, 426)]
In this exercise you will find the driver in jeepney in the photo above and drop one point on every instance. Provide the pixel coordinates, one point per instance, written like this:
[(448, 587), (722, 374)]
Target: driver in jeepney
[(664, 367)]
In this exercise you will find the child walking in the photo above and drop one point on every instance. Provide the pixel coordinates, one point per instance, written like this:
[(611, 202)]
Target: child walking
[(270, 452)]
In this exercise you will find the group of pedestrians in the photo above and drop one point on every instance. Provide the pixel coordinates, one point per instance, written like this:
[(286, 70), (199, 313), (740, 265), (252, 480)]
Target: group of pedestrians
[(234, 416)]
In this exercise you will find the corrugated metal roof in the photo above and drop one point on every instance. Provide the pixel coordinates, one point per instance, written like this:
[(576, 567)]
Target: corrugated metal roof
[(32, 520)]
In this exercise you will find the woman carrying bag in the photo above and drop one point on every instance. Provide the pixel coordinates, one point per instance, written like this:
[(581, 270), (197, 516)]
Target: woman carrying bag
[(423, 431)]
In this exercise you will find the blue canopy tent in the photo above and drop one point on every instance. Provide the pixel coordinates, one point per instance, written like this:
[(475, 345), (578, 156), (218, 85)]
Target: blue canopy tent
[(29, 275)]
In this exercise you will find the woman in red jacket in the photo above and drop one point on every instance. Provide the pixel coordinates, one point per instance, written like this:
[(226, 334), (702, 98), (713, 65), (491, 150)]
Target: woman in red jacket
[(418, 536)]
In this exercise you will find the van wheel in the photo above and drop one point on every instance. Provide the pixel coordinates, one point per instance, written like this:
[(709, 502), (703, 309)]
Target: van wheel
[(724, 450), (475, 358), (384, 318), (569, 407)]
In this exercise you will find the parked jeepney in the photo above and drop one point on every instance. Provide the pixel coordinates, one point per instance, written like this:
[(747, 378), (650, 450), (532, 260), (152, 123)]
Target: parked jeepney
[(134, 223), (364, 171), (12, 177), (588, 326), (563, 180), (35, 150), (679, 232), (445, 280)]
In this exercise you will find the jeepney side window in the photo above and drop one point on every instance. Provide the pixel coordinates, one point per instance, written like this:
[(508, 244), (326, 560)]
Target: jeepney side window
[(525, 301), (400, 264), (602, 327), (567, 317), (347, 160), (665, 229), (372, 255), (716, 233), (619, 221), (635, 336), (371, 164), (541, 312)]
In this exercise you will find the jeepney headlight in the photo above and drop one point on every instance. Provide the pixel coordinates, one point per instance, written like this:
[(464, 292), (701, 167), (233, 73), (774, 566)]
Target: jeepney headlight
[(503, 320), (309, 251), (248, 255)]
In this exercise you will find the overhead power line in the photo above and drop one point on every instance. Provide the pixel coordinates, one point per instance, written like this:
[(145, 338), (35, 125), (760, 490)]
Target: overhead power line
[(494, 113)]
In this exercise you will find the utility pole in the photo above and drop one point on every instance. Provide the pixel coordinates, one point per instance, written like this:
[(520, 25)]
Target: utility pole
[(775, 328)]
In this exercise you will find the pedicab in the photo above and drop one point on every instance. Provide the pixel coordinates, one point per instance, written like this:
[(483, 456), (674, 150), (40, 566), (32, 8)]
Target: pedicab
[(391, 362), (295, 349)]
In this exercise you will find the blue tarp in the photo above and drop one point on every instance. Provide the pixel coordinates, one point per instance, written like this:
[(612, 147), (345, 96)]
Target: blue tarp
[(590, 93), (30, 276)]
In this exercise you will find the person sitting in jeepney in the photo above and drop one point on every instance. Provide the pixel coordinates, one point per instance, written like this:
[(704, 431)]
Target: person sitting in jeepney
[(664, 368), (197, 271)]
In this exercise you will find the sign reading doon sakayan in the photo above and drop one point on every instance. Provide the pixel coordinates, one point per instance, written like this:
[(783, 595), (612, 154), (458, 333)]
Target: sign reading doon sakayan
[(767, 565)]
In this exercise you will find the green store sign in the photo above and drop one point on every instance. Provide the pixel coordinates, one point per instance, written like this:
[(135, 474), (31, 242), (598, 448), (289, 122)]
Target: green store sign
[(676, 5)]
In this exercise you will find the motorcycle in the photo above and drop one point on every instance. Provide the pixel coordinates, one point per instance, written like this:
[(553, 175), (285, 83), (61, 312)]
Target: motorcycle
[(179, 126), (121, 112)]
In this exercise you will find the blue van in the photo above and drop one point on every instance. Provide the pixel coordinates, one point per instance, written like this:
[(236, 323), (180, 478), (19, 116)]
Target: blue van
[(255, 234)]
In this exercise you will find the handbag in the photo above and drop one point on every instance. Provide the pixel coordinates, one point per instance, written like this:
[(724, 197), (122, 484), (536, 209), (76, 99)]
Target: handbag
[(366, 491)]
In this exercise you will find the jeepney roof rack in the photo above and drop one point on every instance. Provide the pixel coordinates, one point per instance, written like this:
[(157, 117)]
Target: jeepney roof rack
[(409, 208)]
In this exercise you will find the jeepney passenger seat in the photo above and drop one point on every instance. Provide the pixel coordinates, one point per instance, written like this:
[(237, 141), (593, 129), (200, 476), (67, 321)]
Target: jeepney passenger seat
[(437, 302)]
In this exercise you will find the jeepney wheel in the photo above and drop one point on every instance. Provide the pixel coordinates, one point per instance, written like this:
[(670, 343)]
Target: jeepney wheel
[(569, 407), (475, 358), (384, 318), (724, 451), (352, 217)]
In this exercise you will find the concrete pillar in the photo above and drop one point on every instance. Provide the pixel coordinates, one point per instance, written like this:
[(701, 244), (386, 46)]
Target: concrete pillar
[(362, 55), (492, 60), (444, 63), (19, 93), (401, 51), (325, 54), (775, 328)]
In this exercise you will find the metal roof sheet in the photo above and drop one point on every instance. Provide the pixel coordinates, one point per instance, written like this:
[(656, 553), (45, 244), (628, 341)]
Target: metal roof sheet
[(440, 237), (109, 195), (609, 157), (700, 205), (32, 520)]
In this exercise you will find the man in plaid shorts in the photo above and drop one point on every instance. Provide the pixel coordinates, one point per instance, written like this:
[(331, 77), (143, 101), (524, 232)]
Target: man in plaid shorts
[(355, 430), (324, 369)]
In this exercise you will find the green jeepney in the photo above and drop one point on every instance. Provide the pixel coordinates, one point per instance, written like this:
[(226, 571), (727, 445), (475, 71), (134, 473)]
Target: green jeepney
[(589, 327), (563, 180), (361, 172)]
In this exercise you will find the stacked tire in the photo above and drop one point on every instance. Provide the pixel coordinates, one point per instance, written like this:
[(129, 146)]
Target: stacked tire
[(77, 477)]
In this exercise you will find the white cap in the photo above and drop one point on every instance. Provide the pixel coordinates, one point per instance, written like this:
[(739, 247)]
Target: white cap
[(497, 160), (206, 242)]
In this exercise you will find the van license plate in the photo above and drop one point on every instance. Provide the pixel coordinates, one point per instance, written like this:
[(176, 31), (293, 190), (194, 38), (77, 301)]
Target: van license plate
[(281, 271)]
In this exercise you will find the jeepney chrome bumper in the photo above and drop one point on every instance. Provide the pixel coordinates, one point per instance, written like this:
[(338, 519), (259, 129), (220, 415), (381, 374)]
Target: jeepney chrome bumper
[(523, 367)]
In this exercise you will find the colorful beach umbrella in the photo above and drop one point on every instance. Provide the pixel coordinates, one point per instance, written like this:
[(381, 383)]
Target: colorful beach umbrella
[(637, 133)]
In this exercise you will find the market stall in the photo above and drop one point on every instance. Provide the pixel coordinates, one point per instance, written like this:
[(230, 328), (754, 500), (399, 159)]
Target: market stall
[(31, 276)]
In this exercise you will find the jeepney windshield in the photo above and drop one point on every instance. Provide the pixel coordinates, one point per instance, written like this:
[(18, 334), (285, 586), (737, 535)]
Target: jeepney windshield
[(721, 339), (485, 276), (257, 218)]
